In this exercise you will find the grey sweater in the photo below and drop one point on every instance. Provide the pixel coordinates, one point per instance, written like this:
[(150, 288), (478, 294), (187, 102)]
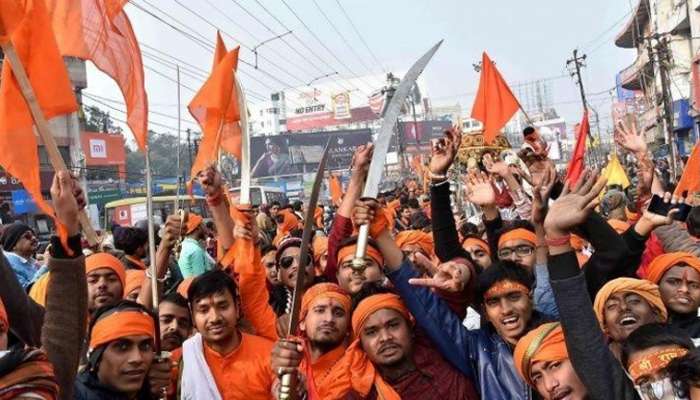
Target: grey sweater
[(594, 363)]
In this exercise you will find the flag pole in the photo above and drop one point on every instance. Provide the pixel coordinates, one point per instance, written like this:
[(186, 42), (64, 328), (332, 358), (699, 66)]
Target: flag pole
[(42, 127), (179, 133)]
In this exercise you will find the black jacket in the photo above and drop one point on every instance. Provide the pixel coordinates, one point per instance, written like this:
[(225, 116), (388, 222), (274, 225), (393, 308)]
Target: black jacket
[(88, 387)]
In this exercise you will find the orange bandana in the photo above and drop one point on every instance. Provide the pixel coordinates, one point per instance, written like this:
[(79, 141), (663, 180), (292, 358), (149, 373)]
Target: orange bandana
[(372, 253), (476, 242), (518, 234), (184, 286), (134, 280), (289, 223), (664, 262), (119, 325), (416, 238), (545, 343), (193, 221), (318, 217), (647, 290), (320, 245), (374, 303), (324, 291), (503, 287), (106, 260), (654, 362)]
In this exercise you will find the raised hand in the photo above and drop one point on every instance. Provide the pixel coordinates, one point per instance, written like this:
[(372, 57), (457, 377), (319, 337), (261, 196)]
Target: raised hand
[(362, 158), (629, 138), (450, 277), (211, 181), (364, 211), (540, 196), (444, 151), (68, 199), (287, 355), (479, 189), (497, 167), (659, 220), (172, 230), (574, 205)]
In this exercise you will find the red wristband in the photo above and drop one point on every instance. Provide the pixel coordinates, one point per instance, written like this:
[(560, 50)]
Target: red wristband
[(560, 241)]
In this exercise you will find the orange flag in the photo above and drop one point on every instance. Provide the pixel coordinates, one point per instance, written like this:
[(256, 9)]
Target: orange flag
[(495, 104), (27, 26), (100, 31), (231, 133), (690, 180), (576, 164), (336, 189), (215, 107)]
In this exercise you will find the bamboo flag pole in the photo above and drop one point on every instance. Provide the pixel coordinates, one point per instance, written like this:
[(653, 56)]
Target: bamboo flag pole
[(42, 126), (179, 133)]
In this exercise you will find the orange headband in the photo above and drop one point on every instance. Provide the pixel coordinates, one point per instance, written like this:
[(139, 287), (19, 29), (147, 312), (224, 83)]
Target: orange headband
[(664, 262), (184, 286), (502, 287), (515, 234), (324, 291), (654, 362), (106, 260), (193, 221), (476, 242), (374, 303), (372, 253), (544, 343), (134, 280), (119, 325)]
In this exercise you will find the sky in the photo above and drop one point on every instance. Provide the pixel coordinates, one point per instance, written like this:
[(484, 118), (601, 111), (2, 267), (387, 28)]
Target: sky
[(528, 40)]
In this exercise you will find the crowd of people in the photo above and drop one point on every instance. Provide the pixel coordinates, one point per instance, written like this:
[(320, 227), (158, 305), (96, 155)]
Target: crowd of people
[(525, 286)]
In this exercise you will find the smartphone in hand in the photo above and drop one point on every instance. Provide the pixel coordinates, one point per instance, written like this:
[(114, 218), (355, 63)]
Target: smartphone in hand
[(658, 206)]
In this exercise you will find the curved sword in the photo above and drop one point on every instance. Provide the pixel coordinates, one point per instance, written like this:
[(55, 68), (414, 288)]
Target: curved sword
[(381, 145)]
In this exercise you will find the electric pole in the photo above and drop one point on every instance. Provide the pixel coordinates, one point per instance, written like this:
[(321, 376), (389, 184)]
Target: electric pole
[(578, 62), (660, 55)]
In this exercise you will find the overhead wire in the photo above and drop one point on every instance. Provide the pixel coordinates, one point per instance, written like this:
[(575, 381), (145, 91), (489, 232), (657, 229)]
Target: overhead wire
[(362, 39), (323, 44)]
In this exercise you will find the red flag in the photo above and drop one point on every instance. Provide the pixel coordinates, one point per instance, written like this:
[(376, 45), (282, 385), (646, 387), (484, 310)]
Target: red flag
[(495, 104), (576, 164), (100, 31), (215, 107), (690, 180), (27, 26)]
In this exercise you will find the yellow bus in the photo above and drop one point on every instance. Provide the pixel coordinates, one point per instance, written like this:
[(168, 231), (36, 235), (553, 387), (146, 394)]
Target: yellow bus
[(127, 212)]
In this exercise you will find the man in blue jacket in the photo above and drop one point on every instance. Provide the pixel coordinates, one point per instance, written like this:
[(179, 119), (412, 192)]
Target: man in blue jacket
[(504, 292)]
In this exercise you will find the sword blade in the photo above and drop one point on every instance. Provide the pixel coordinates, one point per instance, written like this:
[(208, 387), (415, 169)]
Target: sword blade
[(245, 145), (305, 242), (381, 145)]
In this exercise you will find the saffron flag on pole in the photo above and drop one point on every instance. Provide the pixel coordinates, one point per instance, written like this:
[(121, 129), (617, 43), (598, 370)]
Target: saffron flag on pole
[(690, 180), (215, 108), (494, 104), (100, 31), (27, 27), (231, 133), (576, 164)]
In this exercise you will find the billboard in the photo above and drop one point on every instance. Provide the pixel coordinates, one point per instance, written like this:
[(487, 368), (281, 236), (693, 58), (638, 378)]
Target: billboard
[(300, 153)]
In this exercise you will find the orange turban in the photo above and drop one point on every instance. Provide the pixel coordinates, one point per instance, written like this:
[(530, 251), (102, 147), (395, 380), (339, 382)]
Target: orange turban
[(318, 216), (121, 324), (372, 253), (619, 225), (134, 280), (416, 238), (648, 290), (193, 221), (374, 303), (518, 234), (320, 246), (106, 260), (39, 289), (184, 286), (289, 222), (664, 262), (545, 343), (476, 242), (323, 291)]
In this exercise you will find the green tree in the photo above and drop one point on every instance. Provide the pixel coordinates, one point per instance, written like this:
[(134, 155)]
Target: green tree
[(97, 120), (163, 158)]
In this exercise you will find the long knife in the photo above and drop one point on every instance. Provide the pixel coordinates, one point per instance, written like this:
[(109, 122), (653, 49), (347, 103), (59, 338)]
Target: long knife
[(245, 146), (288, 381), (381, 145)]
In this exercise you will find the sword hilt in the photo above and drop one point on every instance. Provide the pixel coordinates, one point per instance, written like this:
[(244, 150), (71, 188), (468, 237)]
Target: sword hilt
[(361, 250), (288, 387)]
